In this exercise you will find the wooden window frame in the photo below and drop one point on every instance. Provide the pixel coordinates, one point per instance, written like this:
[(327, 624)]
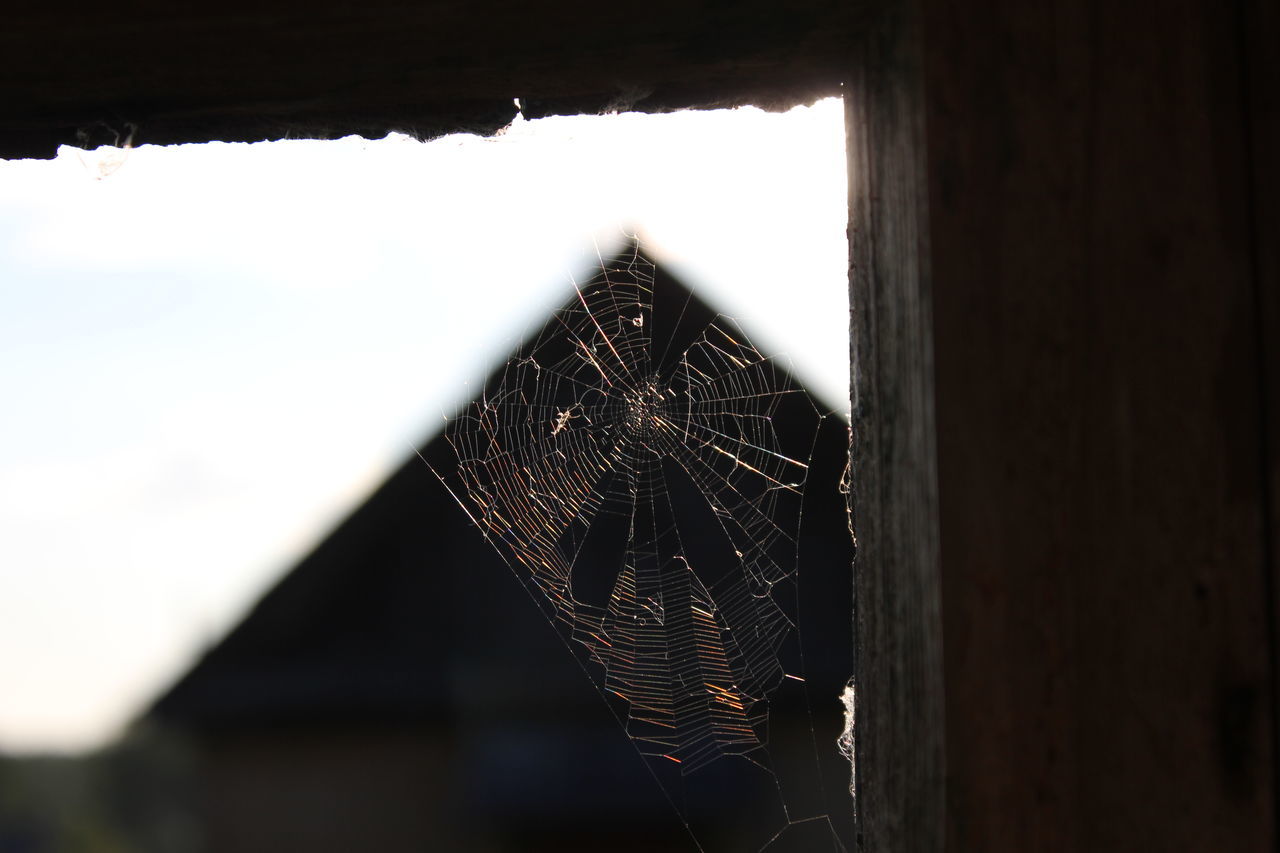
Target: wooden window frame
[(175, 83)]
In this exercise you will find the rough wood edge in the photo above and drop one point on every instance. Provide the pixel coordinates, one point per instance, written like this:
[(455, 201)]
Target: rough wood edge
[(281, 69), (898, 750)]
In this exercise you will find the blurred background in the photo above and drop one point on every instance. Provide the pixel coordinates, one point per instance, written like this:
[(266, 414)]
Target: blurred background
[(218, 362)]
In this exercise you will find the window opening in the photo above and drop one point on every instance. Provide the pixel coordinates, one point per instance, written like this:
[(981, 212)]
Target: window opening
[(256, 334)]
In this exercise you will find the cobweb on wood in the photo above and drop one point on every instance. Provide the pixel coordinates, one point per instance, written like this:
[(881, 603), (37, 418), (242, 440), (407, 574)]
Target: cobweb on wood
[(643, 471)]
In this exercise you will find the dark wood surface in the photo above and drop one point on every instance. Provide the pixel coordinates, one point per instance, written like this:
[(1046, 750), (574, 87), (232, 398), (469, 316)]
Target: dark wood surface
[(167, 73), (1108, 663), (899, 728), (1260, 31)]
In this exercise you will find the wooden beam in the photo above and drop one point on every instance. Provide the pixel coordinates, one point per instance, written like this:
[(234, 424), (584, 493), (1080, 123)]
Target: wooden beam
[(87, 73), (898, 744), (1101, 491), (1259, 29)]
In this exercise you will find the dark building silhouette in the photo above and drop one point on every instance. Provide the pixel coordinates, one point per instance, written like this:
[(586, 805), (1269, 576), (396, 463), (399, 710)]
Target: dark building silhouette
[(399, 690)]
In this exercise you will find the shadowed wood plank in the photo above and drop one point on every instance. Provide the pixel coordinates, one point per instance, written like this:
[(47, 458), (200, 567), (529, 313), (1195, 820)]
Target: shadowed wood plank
[(1107, 660), (91, 73), (898, 676)]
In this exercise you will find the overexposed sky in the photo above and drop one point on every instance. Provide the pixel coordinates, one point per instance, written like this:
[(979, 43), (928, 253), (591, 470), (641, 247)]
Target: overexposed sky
[(209, 354)]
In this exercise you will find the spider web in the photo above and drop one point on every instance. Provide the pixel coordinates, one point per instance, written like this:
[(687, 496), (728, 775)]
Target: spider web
[(643, 472)]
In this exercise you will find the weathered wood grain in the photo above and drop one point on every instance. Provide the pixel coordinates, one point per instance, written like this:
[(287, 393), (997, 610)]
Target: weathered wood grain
[(1108, 664), (898, 675)]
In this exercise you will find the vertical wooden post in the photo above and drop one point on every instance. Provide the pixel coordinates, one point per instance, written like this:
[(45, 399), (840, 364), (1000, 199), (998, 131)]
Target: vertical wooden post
[(898, 744), (1260, 28), (1101, 440)]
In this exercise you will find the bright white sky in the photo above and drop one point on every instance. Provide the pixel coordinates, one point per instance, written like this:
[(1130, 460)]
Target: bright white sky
[(209, 354)]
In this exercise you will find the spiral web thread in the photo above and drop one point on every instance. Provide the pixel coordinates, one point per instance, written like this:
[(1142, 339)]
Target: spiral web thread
[(585, 429)]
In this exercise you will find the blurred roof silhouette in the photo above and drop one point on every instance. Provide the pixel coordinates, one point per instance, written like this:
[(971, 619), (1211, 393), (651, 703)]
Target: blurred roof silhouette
[(404, 628), (405, 612)]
